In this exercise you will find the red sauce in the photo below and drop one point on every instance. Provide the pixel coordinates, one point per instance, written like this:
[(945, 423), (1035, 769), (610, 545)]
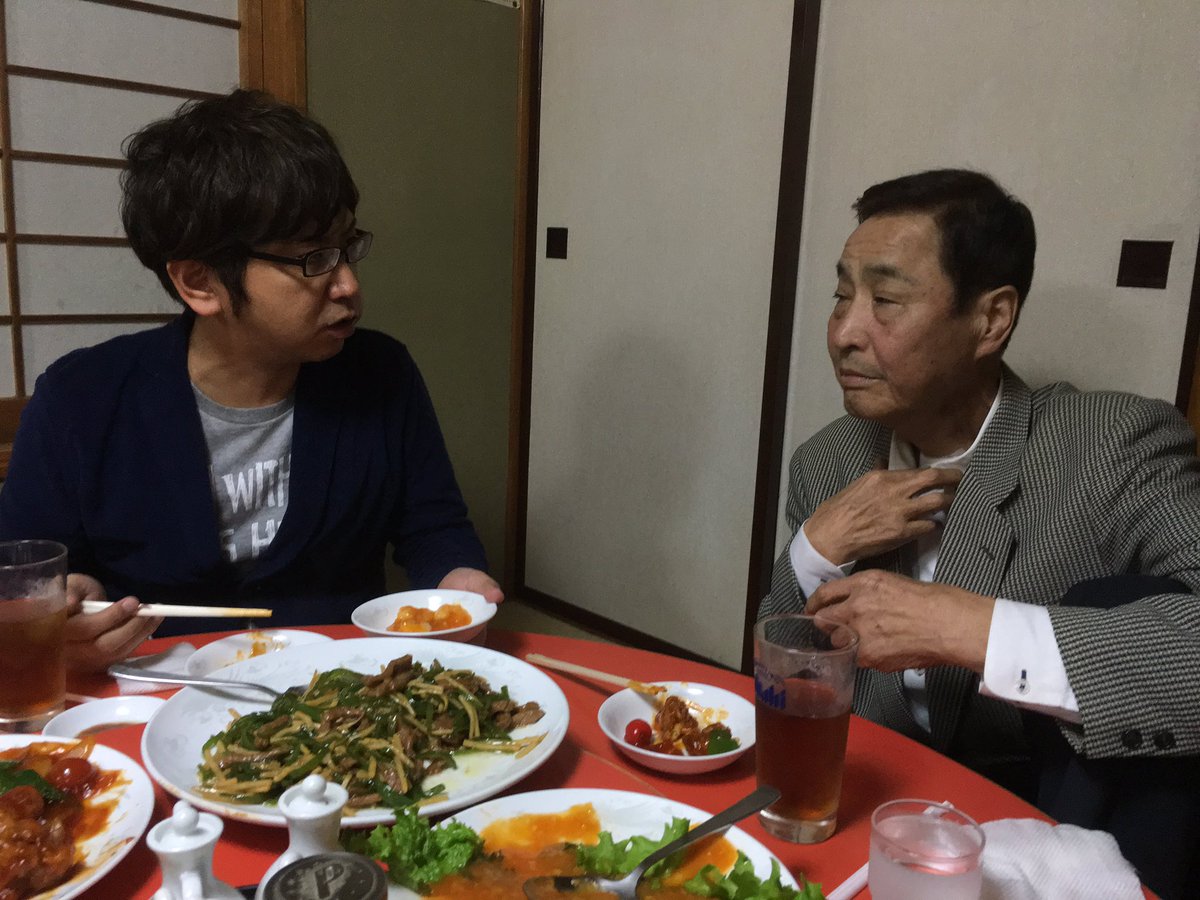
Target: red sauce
[(39, 839)]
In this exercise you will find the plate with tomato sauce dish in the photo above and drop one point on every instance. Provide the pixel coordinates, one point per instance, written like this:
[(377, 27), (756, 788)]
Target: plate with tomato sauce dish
[(723, 719), (247, 645), (116, 809), (445, 615), (624, 814)]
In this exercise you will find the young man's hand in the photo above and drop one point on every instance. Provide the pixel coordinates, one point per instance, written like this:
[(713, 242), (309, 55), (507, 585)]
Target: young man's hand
[(475, 581), (96, 641)]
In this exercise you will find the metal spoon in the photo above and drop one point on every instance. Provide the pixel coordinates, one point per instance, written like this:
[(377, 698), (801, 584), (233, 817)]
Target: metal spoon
[(626, 888), (135, 673)]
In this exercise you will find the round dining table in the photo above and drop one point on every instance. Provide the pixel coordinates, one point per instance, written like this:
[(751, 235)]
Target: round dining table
[(881, 765)]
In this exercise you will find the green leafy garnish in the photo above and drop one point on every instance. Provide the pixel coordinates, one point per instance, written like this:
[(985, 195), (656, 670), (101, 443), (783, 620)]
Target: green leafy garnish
[(720, 741), (416, 854), (742, 884), (12, 775), (612, 859)]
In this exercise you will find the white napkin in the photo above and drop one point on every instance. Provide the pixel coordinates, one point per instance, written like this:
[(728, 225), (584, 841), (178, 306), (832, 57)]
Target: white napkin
[(1027, 859), (173, 660)]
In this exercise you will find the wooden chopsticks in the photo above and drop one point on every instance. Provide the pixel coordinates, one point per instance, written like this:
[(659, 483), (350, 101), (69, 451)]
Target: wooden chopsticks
[(562, 665), (200, 612)]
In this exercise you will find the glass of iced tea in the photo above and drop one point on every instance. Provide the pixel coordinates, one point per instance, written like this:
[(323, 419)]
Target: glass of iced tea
[(921, 850), (33, 610), (803, 683)]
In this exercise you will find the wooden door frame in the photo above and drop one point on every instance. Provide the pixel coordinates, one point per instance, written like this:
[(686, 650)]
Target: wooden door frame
[(1187, 397), (272, 49), (777, 352)]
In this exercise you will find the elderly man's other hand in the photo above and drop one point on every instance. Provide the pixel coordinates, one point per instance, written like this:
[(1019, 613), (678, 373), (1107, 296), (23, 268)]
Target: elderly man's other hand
[(94, 642), (473, 580), (880, 511), (907, 624)]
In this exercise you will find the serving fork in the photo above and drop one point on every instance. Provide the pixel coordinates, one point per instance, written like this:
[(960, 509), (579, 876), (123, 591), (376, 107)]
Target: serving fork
[(136, 673)]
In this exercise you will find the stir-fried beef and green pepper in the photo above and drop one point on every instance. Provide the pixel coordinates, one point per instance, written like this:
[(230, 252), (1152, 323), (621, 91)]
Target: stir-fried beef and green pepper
[(378, 736)]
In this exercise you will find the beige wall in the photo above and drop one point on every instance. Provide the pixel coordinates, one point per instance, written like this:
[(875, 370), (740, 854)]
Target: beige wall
[(421, 96)]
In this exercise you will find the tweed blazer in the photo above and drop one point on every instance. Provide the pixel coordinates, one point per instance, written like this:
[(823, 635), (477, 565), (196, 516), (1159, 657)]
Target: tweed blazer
[(1063, 486)]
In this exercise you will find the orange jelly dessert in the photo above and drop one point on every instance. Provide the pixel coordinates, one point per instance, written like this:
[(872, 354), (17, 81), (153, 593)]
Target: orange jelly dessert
[(418, 618)]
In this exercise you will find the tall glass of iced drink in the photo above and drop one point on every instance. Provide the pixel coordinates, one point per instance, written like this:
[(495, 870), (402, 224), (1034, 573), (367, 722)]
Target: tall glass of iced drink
[(803, 684), (33, 610)]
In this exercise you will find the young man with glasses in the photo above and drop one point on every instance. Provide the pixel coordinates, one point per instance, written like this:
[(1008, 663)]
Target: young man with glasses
[(260, 450)]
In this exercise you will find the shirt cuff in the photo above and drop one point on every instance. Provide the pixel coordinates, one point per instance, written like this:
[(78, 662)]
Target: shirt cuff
[(1023, 664), (811, 568)]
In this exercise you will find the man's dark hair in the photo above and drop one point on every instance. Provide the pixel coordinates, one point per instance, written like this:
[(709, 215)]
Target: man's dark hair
[(986, 234), (224, 175)]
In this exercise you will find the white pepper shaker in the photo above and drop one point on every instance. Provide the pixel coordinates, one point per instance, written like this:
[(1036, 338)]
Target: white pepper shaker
[(313, 809), (184, 844)]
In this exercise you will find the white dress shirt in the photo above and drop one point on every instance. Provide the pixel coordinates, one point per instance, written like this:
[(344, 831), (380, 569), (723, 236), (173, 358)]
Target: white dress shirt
[(1022, 664)]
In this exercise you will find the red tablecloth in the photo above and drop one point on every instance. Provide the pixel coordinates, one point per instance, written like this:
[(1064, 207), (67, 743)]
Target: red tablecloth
[(880, 765)]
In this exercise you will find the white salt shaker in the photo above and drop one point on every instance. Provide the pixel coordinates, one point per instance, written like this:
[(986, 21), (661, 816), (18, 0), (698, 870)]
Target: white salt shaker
[(184, 844), (313, 809)]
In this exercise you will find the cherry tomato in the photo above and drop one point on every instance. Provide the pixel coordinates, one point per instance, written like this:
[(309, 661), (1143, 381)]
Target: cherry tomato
[(638, 733), (70, 773), (23, 801)]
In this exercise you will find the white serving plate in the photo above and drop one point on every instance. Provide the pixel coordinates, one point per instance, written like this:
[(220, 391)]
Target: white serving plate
[(240, 647), (376, 615), (623, 813), (172, 741), (127, 821), (113, 711), (624, 706)]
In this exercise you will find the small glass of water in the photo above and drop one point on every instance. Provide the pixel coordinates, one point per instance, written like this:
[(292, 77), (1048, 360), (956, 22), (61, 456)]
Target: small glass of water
[(921, 850)]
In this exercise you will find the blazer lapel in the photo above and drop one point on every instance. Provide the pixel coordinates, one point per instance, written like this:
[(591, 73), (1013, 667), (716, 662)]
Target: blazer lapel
[(978, 541), (166, 399)]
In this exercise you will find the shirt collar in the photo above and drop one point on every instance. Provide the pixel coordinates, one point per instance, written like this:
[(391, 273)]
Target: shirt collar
[(904, 455)]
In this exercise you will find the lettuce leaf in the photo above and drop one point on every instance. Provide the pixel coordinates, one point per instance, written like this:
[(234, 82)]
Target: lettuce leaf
[(416, 854), (742, 884), (612, 859)]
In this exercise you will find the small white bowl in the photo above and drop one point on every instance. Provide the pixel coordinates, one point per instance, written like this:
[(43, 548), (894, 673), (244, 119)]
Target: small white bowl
[(376, 615), (624, 706), (238, 647), (96, 715)]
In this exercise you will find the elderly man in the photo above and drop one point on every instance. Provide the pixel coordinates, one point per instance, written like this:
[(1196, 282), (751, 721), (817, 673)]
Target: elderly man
[(946, 515)]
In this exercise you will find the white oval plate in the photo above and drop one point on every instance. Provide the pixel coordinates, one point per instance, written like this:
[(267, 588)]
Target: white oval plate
[(376, 615), (624, 706), (623, 813), (240, 647), (127, 821), (110, 711), (172, 741)]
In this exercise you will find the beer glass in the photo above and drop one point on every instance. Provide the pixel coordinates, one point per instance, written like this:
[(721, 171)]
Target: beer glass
[(33, 610), (921, 850), (803, 683)]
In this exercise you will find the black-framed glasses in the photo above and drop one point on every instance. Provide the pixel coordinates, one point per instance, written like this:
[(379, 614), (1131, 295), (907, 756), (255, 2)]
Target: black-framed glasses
[(324, 259)]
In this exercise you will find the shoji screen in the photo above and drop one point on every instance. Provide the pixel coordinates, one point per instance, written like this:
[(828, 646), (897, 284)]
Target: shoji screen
[(77, 77)]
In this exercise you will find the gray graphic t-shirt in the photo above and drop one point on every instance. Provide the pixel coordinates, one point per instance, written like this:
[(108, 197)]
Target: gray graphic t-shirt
[(250, 459)]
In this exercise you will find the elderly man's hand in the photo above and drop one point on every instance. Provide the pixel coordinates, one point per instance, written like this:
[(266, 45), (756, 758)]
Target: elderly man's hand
[(880, 511), (94, 642), (907, 624), (463, 579)]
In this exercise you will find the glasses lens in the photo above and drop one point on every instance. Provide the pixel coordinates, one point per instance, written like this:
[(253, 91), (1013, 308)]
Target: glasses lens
[(359, 247), (321, 261)]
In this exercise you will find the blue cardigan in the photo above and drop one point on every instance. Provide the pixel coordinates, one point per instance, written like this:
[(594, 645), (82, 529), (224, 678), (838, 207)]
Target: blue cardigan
[(110, 460)]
